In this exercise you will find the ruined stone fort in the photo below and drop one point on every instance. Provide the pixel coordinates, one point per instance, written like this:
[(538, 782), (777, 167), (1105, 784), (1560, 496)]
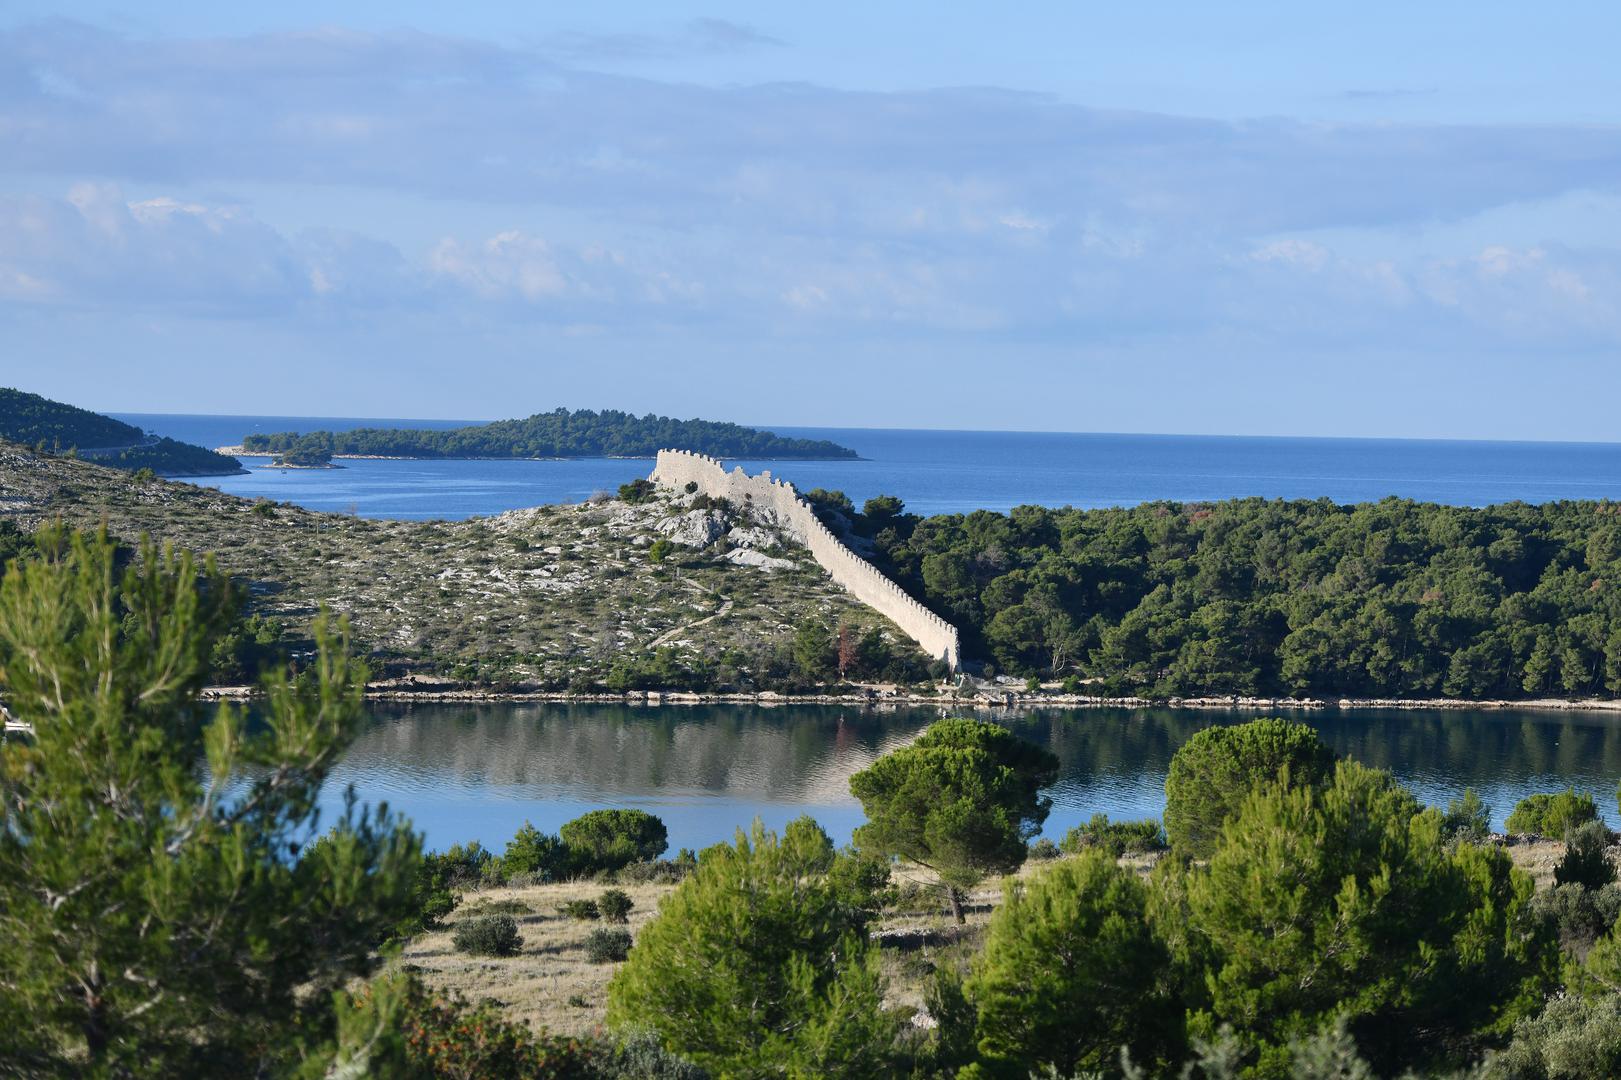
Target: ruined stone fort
[(777, 503)]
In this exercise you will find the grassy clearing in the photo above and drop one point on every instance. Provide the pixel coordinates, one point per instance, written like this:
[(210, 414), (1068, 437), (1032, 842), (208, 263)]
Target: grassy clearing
[(551, 985)]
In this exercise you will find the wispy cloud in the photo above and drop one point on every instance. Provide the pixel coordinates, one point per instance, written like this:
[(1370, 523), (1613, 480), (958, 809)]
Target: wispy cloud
[(758, 214)]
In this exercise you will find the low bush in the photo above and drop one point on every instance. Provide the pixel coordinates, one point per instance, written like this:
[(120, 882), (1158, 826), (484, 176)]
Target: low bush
[(605, 946), (1586, 861), (439, 877), (639, 490), (641, 1057), (1546, 814), (1580, 915), (1044, 849), (501, 907), (579, 909), (1114, 838), (657, 871), (1572, 1037), (615, 905), (1467, 819), (488, 935), (444, 1035), (531, 851)]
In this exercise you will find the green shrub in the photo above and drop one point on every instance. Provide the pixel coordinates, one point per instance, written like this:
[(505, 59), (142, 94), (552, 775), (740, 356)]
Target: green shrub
[(1467, 819), (1551, 815), (861, 879), (579, 909), (441, 1036), (756, 967), (531, 851), (501, 907), (615, 905), (488, 935), (639, 490), (1044, 849), (610, 839), (1071, 972), (1586, 861), (1579, 915), (664, 871), (607, 946), (1573, 1038), (1214, 772), (659, 550), (1114, 838), (434, 894), (640, 1056)]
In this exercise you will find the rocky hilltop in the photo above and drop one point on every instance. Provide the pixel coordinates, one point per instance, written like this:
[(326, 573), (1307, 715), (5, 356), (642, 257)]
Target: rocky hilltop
[(669, 591)]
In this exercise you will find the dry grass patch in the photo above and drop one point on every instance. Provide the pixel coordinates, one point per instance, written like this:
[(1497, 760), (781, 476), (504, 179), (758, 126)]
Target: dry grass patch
[(550, 983)]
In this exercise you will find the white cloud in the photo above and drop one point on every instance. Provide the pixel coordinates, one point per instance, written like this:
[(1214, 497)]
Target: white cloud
[(619, 206)]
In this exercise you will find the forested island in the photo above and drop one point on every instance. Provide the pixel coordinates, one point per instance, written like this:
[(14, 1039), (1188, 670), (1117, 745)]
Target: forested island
[(560, 433), (1253, 596), (56, 428)]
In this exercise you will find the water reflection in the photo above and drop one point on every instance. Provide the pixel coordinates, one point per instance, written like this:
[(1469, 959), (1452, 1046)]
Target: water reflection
[(480, 771)]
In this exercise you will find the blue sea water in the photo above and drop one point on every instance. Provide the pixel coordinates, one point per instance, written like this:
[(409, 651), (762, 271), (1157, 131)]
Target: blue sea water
[(951, 471)]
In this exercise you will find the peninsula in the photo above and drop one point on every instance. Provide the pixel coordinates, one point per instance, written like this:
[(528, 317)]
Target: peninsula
[(560, 433), (52, 427)]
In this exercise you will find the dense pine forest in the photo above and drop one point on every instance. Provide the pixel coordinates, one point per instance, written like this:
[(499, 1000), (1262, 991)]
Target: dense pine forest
[(1394, 598), (559, 433)]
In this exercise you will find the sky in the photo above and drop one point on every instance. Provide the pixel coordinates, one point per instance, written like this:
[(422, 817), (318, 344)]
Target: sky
[(1368, 219)]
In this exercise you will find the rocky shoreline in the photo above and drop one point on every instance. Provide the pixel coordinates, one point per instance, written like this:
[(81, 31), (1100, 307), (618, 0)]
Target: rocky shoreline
[(435, 691)]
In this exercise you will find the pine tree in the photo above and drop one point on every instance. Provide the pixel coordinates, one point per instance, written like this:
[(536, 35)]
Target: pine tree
[(1071, 973), (757, 967), (166, 903), (963, 800)]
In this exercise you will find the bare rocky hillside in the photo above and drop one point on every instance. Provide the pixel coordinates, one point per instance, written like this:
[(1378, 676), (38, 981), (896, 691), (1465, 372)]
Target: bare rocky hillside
[(546, 598)]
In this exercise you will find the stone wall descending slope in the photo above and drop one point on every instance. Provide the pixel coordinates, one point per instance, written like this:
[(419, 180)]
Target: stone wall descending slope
[(775, 502)]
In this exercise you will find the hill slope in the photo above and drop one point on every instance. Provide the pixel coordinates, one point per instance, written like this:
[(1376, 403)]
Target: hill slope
[(557, 434), (550, 598), (55, 427)]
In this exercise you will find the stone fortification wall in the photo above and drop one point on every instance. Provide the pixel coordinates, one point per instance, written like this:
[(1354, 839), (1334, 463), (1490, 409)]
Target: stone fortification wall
[(777, 503)]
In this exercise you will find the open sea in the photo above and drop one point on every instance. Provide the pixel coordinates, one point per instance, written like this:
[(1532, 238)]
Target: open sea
[(937, 472)]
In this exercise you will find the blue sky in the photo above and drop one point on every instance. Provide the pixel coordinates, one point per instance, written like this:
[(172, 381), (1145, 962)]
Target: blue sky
[(1369, 219)]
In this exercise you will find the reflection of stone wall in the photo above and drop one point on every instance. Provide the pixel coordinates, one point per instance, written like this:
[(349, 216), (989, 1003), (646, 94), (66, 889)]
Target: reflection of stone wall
[(775, 502), (610, 752)]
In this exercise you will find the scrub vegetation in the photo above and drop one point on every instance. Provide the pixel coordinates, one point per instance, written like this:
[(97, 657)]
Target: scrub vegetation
[(555, 598), (162, 919)]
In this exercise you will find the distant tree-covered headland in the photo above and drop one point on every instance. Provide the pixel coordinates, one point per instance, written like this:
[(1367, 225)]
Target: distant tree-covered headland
[(557, 434), (56, 428), (1394, 598)]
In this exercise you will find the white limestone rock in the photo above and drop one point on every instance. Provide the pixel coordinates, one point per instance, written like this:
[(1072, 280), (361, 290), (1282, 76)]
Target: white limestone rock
[(750, 537), (750, 557), (695, 528)]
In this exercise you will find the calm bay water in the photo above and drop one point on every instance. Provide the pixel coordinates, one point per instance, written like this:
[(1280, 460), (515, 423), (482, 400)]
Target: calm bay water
[(953, 471), (478, 772)]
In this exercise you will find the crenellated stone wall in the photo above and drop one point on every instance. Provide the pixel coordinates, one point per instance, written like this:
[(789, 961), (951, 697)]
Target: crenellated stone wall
[(777, 503)]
